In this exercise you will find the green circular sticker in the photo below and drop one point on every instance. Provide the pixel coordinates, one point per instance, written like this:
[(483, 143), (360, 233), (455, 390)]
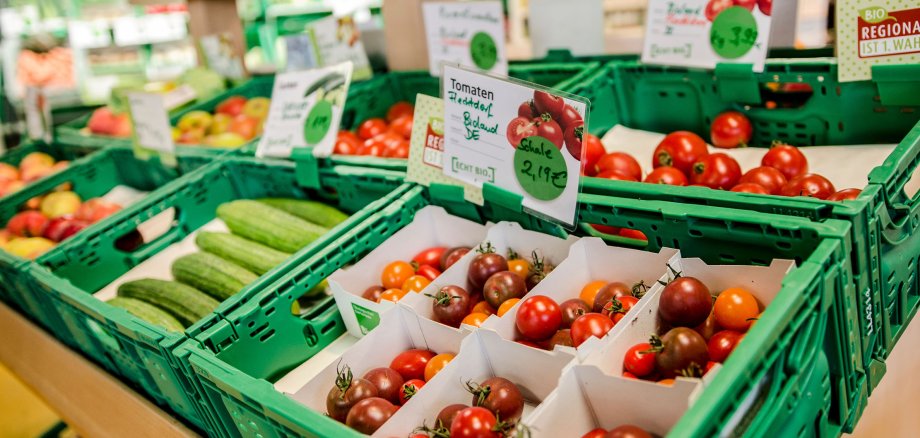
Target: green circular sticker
[(733, 32), (483, 51), (540, 168), (318, 122)]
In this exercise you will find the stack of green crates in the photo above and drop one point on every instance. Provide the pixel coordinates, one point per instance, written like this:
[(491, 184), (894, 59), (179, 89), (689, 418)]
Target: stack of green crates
[(783, 366), (140, 352), (882, 238)]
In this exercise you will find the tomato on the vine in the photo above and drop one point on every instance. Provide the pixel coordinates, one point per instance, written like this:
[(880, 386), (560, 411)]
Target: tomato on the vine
[(409, 389), (617, 308)]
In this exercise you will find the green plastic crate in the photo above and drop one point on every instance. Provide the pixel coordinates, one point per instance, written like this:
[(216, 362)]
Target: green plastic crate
[(666, 98), (91, 176), (234, 362), (141, 352)]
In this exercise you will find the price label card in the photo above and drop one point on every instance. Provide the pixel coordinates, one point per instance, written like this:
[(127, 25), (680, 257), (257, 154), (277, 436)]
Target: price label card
[(306, 110), (220, 56), (426, 148), (518, 136), (336, 40), (872, 32), (702, 33), (301, 54), (152, 133), (179, 96), (470, 33), (38, 114)]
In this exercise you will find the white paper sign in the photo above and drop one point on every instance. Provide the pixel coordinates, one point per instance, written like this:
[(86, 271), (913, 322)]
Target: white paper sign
[(151, 130), (38, 114), (306, 110), (300, 52), (552, 26), (337, 40), (702, 33), (516, 136), (471, 34)]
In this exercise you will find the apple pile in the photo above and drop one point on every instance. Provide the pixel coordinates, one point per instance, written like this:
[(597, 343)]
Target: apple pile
[(33, 167), (53, 218), (235, 121), (104, 121)]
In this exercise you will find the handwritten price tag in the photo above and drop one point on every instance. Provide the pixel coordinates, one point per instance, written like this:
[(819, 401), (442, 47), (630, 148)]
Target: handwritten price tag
[(540, 168), (468, 33), (733, 33)]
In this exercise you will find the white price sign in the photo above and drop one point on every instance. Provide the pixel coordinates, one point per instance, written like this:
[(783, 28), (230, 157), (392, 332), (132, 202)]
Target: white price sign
[(471, 34), (152, 132)]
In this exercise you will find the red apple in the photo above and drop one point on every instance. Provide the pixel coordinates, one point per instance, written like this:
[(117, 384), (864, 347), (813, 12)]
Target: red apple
[(232, 105), (56, 227), (27, 224), (73, 227)]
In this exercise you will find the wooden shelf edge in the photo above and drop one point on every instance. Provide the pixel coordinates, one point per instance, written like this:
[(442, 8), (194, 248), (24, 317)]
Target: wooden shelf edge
[(87, 398)]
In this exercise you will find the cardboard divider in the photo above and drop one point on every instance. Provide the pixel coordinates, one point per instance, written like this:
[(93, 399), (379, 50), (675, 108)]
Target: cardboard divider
[(398, 331), (432, 226), (502, 236), (483, 354), (591, 259), (587, 399)]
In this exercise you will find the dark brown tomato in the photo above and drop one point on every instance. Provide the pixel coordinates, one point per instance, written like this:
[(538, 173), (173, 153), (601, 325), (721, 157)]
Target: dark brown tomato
[(503, 286), (452, 255), (387, 381), (538, 271), (450, 305), (446, 416), (685, 302), (572, 309), (373, 293), (500, 396), (346, 392), (562, 337), (483, 266), (708, 328), (683, 353), (369, 414), (609, 292)]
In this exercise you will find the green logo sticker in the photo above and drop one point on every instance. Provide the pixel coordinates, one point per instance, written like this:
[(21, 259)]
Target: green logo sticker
[(733, 32), (540, 168), (483, 51), (318, 122), (367, 318)]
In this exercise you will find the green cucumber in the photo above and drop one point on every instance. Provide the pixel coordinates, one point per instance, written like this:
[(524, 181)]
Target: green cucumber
[(253, 256), (269, 226), (211, 274), (148, 312), (186, 303), (316, 212)]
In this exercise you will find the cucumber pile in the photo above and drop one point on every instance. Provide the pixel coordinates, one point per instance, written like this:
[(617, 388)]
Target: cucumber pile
[(265, 233)]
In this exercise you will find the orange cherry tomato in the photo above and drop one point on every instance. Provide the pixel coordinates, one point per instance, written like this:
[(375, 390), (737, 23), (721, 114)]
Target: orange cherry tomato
[(506, 306), (735, 309), (436, 364), (393, 295), (415, 283), (520, 267), (475, 319), (590, 290), (395, 274), (483, 307)]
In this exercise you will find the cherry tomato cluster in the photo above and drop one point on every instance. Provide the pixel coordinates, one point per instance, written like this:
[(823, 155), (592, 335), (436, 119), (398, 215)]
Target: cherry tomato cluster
[(495, 283), (364, 404), (543, 323), (682, 158), (400, 277), (624, 431), (496, 407), (701, 332), (548, 116), (379, 137)]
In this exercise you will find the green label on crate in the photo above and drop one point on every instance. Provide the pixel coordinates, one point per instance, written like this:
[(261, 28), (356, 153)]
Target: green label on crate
[(540, 168), (483, 51), (733, 32), (318, 122), (367, 318)]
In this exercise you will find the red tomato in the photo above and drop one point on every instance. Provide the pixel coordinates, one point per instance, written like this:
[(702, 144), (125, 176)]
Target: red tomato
[(750, 188), (639, 360), (620, 162), (714, 7), (474, 422), (766, 6), (588, 325), (519, 129), (717, 171), (398, 110), (845, 195), (373, 147), (550, 130), (721, 345), (402, 126), (731, 128), (430, 256), (632, 234), (348, 134), (680, 150), (615, 175), (346, 145), (617, 308), (769, 178), (538, 318), (787, 159), (596, 433), (401, 150), (409, 389), (371, 128), (570, 117), (593, 150), (666, 175), (546, 103), (410, 364), (574, 134), (809, 184)]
